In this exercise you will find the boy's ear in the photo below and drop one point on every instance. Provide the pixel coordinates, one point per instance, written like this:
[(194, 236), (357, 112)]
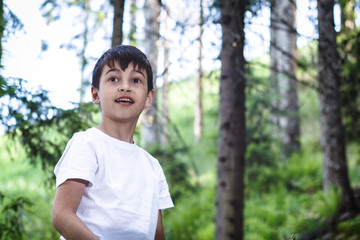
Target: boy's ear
[(149, 98), (95, 95)]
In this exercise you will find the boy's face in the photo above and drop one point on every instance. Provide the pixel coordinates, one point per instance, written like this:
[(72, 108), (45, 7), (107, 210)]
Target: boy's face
[(122, 95)]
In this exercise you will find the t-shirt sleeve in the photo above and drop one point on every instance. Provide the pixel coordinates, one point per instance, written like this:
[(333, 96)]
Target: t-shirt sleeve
[(165, 200), (78, 161)]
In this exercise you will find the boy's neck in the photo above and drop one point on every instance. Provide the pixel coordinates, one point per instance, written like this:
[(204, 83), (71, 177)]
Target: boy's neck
[(122, 132)]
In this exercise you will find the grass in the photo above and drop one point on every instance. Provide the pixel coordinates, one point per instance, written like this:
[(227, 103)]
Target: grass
[(21, 179)]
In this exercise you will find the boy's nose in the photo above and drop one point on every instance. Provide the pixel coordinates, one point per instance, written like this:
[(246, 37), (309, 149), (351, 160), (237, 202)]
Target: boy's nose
[(124, 88)]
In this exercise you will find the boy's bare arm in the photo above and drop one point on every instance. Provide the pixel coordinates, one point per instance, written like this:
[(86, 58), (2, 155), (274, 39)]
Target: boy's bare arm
[(66, 203), (159, 234)]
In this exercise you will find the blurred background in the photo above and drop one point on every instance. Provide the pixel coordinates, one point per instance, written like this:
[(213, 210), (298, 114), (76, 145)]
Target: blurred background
[(49, 48)]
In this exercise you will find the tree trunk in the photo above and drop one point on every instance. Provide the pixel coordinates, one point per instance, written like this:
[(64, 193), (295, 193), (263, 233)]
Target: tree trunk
[(165, 100), (118, 22), (335, 173), (283, 55), (274, 88), (290, 66), (2, 28), (150, 127), (231, 151), (84, 81), (133, 14), (198, 116)]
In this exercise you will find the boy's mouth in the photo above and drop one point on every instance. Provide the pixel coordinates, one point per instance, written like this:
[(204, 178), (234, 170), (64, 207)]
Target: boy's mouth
[(124, 100)]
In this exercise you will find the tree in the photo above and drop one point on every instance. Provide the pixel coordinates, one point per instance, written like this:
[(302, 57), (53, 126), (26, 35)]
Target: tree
[(349, 49), (166, 85), (198, 119), (2, 28), (133, 14), (231, 148), (52, 10), (30, 116), (335, 173), (150, 126), (283, 55), (117, 34), (84, 83), (28, 107)]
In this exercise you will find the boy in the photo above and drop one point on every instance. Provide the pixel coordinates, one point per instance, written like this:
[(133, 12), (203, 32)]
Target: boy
[(107, 187)]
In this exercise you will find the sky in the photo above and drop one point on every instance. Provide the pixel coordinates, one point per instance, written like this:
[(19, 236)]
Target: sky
[(58, 69)]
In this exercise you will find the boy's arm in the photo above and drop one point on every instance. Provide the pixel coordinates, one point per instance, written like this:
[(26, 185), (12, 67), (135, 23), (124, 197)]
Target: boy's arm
[(159, 234), (64, 219)]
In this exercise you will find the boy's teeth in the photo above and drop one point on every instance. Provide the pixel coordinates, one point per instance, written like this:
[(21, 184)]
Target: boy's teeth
[(124, 100)]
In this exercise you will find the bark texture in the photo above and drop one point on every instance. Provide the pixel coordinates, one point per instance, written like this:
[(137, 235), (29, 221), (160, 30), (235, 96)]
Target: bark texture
[(335, 173), (2, 28), (283, 54), (198, 116), (166, 84), (231, 150), (133, 14), (84, 35), (118, 22), (150, 127)]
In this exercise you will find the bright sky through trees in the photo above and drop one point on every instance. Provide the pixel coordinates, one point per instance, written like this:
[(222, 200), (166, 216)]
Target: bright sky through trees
[(58, 69)]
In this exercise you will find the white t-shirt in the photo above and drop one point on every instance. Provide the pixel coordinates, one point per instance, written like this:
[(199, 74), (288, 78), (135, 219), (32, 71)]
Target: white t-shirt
[(126, 188)]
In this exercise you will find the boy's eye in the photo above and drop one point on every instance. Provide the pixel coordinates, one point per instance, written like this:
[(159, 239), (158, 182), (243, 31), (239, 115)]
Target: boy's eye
[(113, 79), (136, 80)]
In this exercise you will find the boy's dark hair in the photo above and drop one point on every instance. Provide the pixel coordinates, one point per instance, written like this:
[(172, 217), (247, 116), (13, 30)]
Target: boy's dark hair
[(124, 55)]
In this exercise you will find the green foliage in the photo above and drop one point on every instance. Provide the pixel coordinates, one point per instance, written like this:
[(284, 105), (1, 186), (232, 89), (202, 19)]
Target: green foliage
[(307, 61), (36, 134), (284, 198), (175, 168), (12, 226), (353, 156), (50, 10), (291, 204), (193, 215), (183, 161), (42, 129), (25, 204), (349, 48), (9, 24), (350, 228), (292, 237), (260, 137)]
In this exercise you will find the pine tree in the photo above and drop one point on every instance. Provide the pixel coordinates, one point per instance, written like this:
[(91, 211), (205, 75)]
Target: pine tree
[(232, 144), (335, 172)]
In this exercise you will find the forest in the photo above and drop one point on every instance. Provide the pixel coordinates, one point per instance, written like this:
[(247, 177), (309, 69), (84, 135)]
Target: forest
[(255, 121)]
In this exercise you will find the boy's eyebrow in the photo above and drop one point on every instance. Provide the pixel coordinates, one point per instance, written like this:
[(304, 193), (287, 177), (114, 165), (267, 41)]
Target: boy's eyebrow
[(117, 70), (138, 71), (112, 70)]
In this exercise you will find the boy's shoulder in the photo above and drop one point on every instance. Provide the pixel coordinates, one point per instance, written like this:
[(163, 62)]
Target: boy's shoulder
[(154, 161), (88, 134), (146, 153), (84, 137)]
